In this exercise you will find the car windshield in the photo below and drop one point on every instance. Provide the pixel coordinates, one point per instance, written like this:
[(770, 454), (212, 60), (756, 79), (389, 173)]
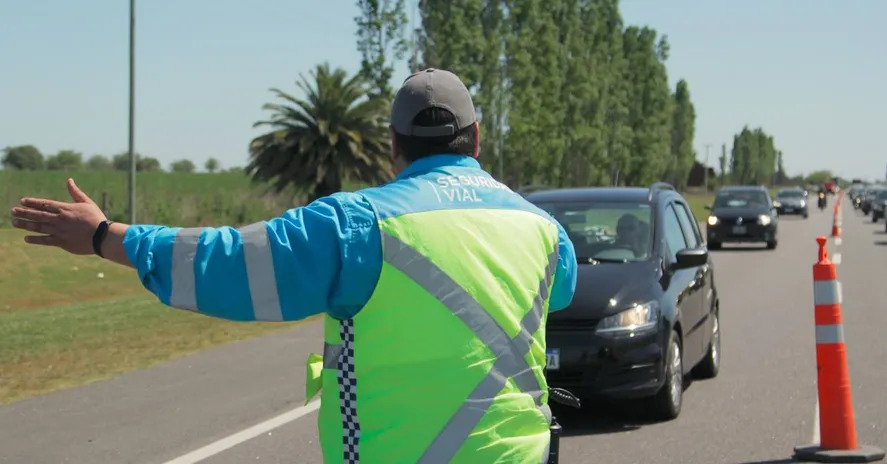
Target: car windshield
[(882, 195), (790, 194), (741, 199), (615, 232)]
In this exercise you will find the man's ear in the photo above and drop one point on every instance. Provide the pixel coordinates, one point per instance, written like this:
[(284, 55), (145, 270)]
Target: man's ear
[(393, 142)]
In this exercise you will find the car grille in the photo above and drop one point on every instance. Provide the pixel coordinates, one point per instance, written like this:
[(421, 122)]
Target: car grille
[(571, 324), (566, 378)]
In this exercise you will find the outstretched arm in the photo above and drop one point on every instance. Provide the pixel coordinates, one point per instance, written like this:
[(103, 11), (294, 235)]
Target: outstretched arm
[(324, 257)]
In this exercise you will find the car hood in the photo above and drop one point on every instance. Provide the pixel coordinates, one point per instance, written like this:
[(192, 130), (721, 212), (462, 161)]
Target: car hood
[(607, 288), (739, 212)]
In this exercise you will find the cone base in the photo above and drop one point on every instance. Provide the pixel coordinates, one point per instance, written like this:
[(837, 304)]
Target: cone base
[(814, 453)]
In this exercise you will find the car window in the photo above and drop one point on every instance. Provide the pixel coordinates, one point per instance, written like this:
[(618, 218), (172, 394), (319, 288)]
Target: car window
[(691, 231), (741, 199), (790, 194), (616, 231), (674, 235)]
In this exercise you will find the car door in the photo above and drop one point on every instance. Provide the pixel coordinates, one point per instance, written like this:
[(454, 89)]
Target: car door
[(701, 287), (683, 284)]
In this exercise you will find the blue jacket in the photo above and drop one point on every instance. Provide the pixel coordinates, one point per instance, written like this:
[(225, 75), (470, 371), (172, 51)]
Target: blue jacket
[(321, 258)]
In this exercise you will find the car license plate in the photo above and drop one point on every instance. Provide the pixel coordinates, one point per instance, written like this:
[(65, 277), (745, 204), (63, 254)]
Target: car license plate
[(553, 359), (738, 230)]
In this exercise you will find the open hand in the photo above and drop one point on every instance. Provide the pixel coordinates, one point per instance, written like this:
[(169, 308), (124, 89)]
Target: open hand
[(69, 226)]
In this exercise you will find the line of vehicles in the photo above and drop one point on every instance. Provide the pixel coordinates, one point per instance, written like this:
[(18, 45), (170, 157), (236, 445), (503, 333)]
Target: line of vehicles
[(870, 199), (645, 316)]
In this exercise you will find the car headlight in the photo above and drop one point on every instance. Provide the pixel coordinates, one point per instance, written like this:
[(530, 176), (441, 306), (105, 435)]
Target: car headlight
[(764, 220), (803, 203), (637, 319), (712, 220)]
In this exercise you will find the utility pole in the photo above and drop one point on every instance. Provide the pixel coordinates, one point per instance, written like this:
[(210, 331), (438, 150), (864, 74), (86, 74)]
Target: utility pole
[(414, 58), (132, 156), (705, 167)]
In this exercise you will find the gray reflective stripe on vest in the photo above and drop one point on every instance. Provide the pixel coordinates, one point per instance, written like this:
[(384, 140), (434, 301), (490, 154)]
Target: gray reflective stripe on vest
[(510, 362)]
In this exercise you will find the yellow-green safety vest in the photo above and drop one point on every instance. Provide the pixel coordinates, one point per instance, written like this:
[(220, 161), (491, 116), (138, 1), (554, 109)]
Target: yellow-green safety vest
[(444, 364)]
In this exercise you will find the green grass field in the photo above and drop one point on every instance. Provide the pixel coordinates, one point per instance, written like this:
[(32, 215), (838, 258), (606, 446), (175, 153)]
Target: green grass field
[(162, 198), (69, 320), (62, 325)]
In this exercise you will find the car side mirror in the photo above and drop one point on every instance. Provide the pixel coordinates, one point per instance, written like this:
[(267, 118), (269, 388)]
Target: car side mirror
[(690, 257), (707, 207)]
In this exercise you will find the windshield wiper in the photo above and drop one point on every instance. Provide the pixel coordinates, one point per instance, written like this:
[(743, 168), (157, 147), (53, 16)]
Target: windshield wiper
[(587, 260)]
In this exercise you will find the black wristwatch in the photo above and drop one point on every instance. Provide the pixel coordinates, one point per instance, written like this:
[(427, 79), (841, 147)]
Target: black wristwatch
[(99, 236)]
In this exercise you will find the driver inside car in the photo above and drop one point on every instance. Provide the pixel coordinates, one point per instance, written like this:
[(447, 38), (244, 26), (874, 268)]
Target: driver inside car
[(628, 233)]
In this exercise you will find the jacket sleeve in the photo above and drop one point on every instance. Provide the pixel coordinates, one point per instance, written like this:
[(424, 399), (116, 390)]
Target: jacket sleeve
[(321, 258), (565, 276)]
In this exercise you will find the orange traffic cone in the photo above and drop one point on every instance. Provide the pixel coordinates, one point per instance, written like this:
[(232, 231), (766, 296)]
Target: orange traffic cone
[(836, 228), (836, 423), (836, 220)]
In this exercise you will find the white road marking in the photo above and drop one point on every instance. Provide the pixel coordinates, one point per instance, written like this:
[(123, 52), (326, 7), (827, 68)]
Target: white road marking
[(836, 258), (233, 440), (816, 438)]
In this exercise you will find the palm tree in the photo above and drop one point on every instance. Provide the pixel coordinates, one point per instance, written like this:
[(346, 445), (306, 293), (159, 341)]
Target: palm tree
[(337, 132)]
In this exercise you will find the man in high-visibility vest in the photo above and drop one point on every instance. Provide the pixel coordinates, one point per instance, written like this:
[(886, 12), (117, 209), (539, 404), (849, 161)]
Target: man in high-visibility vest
[(435, 289)]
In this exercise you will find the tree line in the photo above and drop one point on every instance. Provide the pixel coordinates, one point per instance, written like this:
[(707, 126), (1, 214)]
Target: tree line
[(29, 158), (566, 95)]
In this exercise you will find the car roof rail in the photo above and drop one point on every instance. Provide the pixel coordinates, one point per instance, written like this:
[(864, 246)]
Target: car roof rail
[(528, 189), (656, 186)]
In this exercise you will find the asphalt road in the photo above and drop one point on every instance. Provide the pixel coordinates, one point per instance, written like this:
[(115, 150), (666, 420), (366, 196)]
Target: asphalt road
[(763, 403)]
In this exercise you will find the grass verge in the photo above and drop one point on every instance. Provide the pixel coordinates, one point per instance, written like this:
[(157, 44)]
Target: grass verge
[(42, 350), (63, 325)]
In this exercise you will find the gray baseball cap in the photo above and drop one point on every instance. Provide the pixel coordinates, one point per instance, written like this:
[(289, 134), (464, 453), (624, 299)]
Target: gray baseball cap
[(432, 88)]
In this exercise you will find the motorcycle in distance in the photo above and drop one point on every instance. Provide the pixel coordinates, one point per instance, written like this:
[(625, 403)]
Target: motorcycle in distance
[(821, 201)]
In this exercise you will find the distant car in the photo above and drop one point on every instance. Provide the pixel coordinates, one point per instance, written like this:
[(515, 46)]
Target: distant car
[(855, 194), (867, 197), (742, 214), (791, 201), (877, 204), (645, 312)]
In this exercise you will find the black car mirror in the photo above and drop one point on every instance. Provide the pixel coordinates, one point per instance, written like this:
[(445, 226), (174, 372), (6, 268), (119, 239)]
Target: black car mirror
[(708, 207), (690, 257)]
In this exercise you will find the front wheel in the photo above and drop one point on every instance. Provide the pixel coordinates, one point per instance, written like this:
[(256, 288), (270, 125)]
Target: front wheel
[(714, 245), (666, 404), (771, 245), (709, 367)]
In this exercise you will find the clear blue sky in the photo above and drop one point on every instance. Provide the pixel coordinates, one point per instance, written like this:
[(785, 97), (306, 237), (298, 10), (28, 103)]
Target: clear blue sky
[(811, 72)]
